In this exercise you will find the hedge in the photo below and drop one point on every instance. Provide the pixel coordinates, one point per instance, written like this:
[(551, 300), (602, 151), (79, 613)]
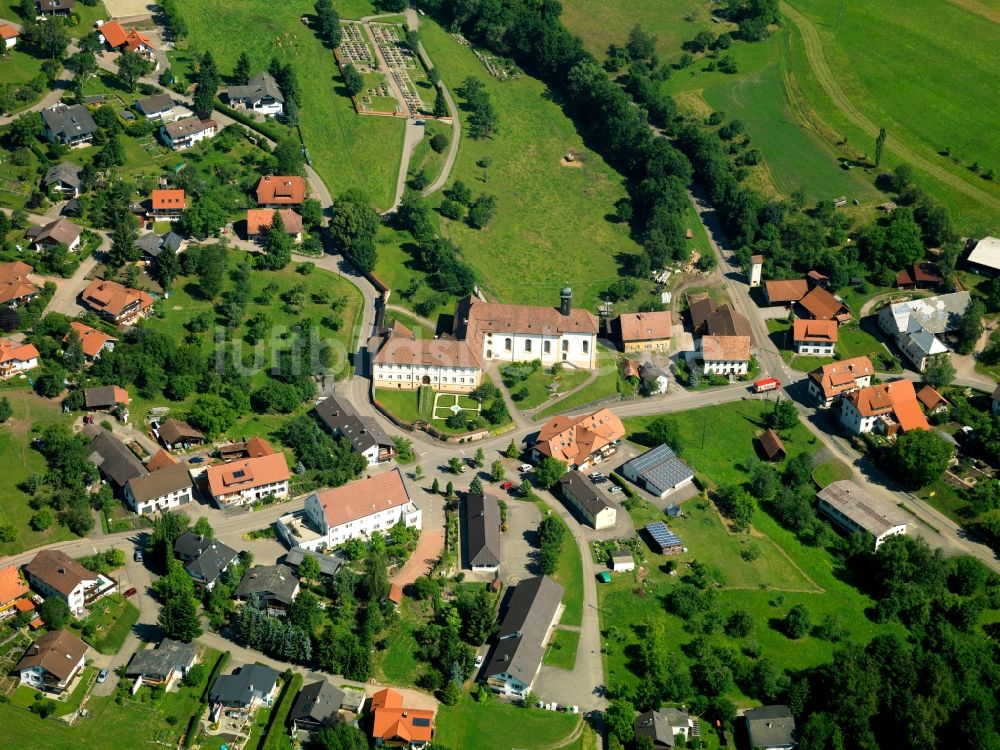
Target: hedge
[(275, 731), (265, 129)]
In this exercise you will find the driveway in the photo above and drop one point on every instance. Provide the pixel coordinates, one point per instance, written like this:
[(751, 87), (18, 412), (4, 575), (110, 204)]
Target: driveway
[(519, 542)]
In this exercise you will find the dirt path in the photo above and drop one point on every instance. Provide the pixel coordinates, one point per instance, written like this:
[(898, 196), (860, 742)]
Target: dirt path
[(821, 68), (978, 9), (423, 559)]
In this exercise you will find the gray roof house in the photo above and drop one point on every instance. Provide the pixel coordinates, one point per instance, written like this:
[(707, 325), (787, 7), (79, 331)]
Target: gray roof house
[(70, 125), (517, 656), (659, 471), (164, 489), (261, 94), (150, 244), (112, 457), (588, 501), (771, 728), (482, 532), (204, 558), (916, 325), (270, 587), (155, 106), (158, 666), (247, 687), (328, 564), (663, 727), (64, 177), (317, 706), (172, 240), (365, 435)]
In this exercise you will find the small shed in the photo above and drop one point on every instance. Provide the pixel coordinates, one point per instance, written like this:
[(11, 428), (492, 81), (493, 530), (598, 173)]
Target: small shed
[(771, 446), (622, 561), (662, 540)]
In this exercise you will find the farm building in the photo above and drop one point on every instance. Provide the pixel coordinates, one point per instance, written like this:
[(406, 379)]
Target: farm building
[(658, 471), (588, 500), (849, 506), (662, 540)]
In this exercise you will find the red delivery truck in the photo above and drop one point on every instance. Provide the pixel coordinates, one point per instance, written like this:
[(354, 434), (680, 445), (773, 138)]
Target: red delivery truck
[(766, 384)]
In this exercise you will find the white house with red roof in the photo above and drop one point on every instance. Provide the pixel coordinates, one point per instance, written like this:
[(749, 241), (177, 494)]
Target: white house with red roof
[(16, 358), (358, 510)]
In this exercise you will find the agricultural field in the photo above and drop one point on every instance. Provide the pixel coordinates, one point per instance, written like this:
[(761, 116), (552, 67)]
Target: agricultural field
[(347, 150), (32, 414), (543, 207)]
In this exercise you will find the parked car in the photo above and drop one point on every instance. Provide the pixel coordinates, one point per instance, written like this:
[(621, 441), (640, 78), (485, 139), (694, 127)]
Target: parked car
[(506, 486), (524, 468), (102, 676), (595, 474), (196, 459), (614, 490), (600, 480), (130, 592), (479, 661), (137, 555), (573, 709)]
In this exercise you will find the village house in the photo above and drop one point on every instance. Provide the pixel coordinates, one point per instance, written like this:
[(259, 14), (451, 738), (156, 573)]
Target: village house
[(920, 276), (771, 445), (247, 688), (770, 728), (645, 331), (55, 7), (111, 456), (658, 471), (368, 439), (121, 39), (664, 727), (785, 292), (16, 288), (622, 561), (817, 337), (662, 540), (985, 256), (160, 460), (70, 125), (316, 707), (58, 232), (579, 442), (655, 380), (186, 133), (168, 488), (105, 398), (248, 480), (167, 205), (270, 588), (724, 355), (837, 379), (155, 107), (166, 664), (916, 326), (259, 221), (52, 662), (174, 433), (205, 559), (396, 725), (359, 509), (587, 500), (819, 304), (521, 333), (63, 177), (516, 657), (9, 35), (853, 509), (280, 191), (261, 95), (328, 564), (92, 341), (54, 574), (887, 409), (12, 588), (255, 447), (481, 536), (932, 401), (403, 362), (116, 303), (16, 358), (153, 245)]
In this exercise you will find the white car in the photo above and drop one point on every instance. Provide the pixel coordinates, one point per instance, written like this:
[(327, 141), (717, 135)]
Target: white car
[(573, 709), (479, 660), (614, 489), (524, 468)]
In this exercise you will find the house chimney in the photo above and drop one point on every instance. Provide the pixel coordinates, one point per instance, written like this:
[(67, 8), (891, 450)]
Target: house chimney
[(565, 300)]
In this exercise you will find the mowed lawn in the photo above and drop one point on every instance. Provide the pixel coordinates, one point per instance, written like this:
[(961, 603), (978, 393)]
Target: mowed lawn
[(550, 227), (500, 726), (348, 151), (32, 414)]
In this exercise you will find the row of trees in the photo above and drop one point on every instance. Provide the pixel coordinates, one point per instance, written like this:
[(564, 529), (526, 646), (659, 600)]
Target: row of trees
[(483, 117)]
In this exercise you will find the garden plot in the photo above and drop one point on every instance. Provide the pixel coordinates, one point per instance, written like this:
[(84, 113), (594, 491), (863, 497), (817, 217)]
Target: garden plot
[(449, 404)]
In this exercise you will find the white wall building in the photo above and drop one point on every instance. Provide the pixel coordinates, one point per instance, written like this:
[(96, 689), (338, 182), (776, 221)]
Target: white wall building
[(360, 509), (186, 133), (756, 268), (408, 363), (725, 355), (850, 507), (164, 489), (248, 480)]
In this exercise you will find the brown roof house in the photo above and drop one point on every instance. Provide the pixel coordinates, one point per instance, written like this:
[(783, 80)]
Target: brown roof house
[(836, 379), (645, 331), (786, 291), (814, 336), (700, 307), (53, 573), (15, 287), (58, 232), (259, 222), (724, 355), (932, 401), (106, 398), (579, 442), (819, 304), (178, 433), (587, 499), (162, 490), (51, 662), (186, 133), (277, 191), (407, 363), (920, 276), (116, 303)]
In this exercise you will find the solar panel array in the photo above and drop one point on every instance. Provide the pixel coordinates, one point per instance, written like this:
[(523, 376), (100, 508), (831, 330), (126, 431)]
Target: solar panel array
[(663, 536), (661, 467)]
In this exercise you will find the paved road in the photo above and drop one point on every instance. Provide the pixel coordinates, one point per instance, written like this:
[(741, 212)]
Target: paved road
[(56, 89)]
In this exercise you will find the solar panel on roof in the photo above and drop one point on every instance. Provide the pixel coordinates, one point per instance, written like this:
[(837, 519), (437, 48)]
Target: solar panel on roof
[(662, 535), (421, 722)]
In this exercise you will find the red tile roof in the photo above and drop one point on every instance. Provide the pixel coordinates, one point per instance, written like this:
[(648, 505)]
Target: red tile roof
[(646, 326), (837, 378), (784, 291), (91, 339), (898, 398), (11, 352), (393, 722), (168, 199), (815, 331), (283, 190), (822, 305), (11, 585), (573, 439), (725, 348), (14, 282), (248, 473), (259, 220), (356, 500), (113, 298), (931, 398)]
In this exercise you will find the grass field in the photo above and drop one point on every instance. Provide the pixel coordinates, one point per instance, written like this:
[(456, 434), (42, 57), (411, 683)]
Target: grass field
[(604, 386), (396, 267), (561, 651), (543, 208), (347, 150), (113, 618), (403, 403), (421, 330), (32, 414), (831, 471), (536, 386), (569, 575), (488, 726)]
